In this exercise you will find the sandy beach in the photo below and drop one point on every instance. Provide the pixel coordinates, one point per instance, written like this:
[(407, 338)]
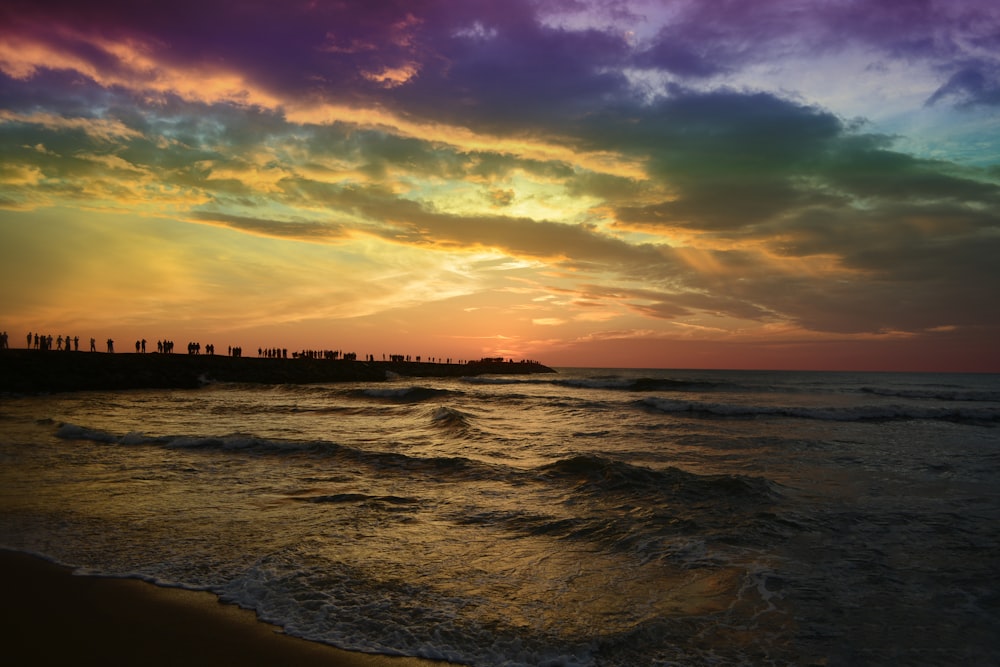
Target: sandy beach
[(51, 616)]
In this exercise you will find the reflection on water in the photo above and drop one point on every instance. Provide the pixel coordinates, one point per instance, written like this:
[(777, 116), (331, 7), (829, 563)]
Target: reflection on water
[(612, 518)]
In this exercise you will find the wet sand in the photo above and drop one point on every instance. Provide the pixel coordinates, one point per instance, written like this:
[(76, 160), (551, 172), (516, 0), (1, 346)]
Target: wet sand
[(51, 617)]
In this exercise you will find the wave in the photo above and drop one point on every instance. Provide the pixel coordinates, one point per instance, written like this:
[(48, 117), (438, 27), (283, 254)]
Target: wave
[(937, 394), (74, 432), (763, 383), (493, 380), (230, 442), (612, 382), (639, 384), (450, 418), (415, 394), (597, 473), (337, 603), (458, 467), (359, 498), (603, 433), (826, 413), (669, 514), (588, 475)]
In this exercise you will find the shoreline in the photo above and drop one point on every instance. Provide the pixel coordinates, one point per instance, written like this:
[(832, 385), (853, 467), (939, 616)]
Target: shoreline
[(51, 616), (34, 371)]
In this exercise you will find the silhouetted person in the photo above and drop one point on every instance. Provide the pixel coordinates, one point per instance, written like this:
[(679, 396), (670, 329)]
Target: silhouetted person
[(111, 345), (93, 345), (144, 346), (76, 343)]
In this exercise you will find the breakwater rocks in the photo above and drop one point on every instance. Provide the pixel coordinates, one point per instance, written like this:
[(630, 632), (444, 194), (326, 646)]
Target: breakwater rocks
[(32, 371)]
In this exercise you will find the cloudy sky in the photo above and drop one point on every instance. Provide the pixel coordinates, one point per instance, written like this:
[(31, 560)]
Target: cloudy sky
[(737, 184)]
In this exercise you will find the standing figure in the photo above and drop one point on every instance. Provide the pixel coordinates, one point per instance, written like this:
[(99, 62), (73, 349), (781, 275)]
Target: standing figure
[(111, 345), (93, 345)]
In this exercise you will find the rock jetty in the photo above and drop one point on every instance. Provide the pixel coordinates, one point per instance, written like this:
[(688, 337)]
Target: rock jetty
[(33, 371)]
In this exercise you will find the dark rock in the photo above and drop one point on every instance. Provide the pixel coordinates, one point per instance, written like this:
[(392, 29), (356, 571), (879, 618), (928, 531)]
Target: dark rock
[(33, 371)]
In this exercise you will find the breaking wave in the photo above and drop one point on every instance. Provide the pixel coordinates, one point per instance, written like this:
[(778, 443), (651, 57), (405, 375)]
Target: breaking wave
[(937, 394), (450, 418), (598, 474), (977, 415), (611, 382), (405, 394)]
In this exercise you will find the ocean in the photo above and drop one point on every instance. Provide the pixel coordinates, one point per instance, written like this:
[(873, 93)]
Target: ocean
[(589, 517)]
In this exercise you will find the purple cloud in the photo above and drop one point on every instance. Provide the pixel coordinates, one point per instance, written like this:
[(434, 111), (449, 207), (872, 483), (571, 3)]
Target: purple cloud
[(970, 86), (724, 163)]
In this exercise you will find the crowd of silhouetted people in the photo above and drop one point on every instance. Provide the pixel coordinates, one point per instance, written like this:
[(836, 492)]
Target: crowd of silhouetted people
[(38, 341), (45, 342)]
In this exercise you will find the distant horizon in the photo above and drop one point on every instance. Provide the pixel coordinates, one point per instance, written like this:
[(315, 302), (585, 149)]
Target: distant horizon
[(786, 358), (638, 184), (774, 370), (362, 358)]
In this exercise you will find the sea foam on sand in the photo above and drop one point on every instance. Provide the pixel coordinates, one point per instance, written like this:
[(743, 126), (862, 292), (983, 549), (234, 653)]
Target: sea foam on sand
[(50, 616)]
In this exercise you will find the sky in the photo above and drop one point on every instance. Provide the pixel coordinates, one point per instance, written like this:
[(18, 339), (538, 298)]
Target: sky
[(759, 184)]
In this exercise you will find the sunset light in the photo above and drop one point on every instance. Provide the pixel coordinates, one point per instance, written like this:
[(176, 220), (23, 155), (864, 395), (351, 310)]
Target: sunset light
[(625, 184)]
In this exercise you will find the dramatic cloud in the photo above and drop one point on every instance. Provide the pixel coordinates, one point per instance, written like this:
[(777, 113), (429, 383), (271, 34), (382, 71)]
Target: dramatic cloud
[(974, 85), (812, 172)]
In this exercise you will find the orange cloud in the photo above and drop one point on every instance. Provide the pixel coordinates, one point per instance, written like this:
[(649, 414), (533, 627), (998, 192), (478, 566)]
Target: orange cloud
[(134, 67), (102, 129), (392, 77)]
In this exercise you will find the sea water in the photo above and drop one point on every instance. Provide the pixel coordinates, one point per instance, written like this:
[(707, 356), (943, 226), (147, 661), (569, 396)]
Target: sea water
[(591, 517)]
